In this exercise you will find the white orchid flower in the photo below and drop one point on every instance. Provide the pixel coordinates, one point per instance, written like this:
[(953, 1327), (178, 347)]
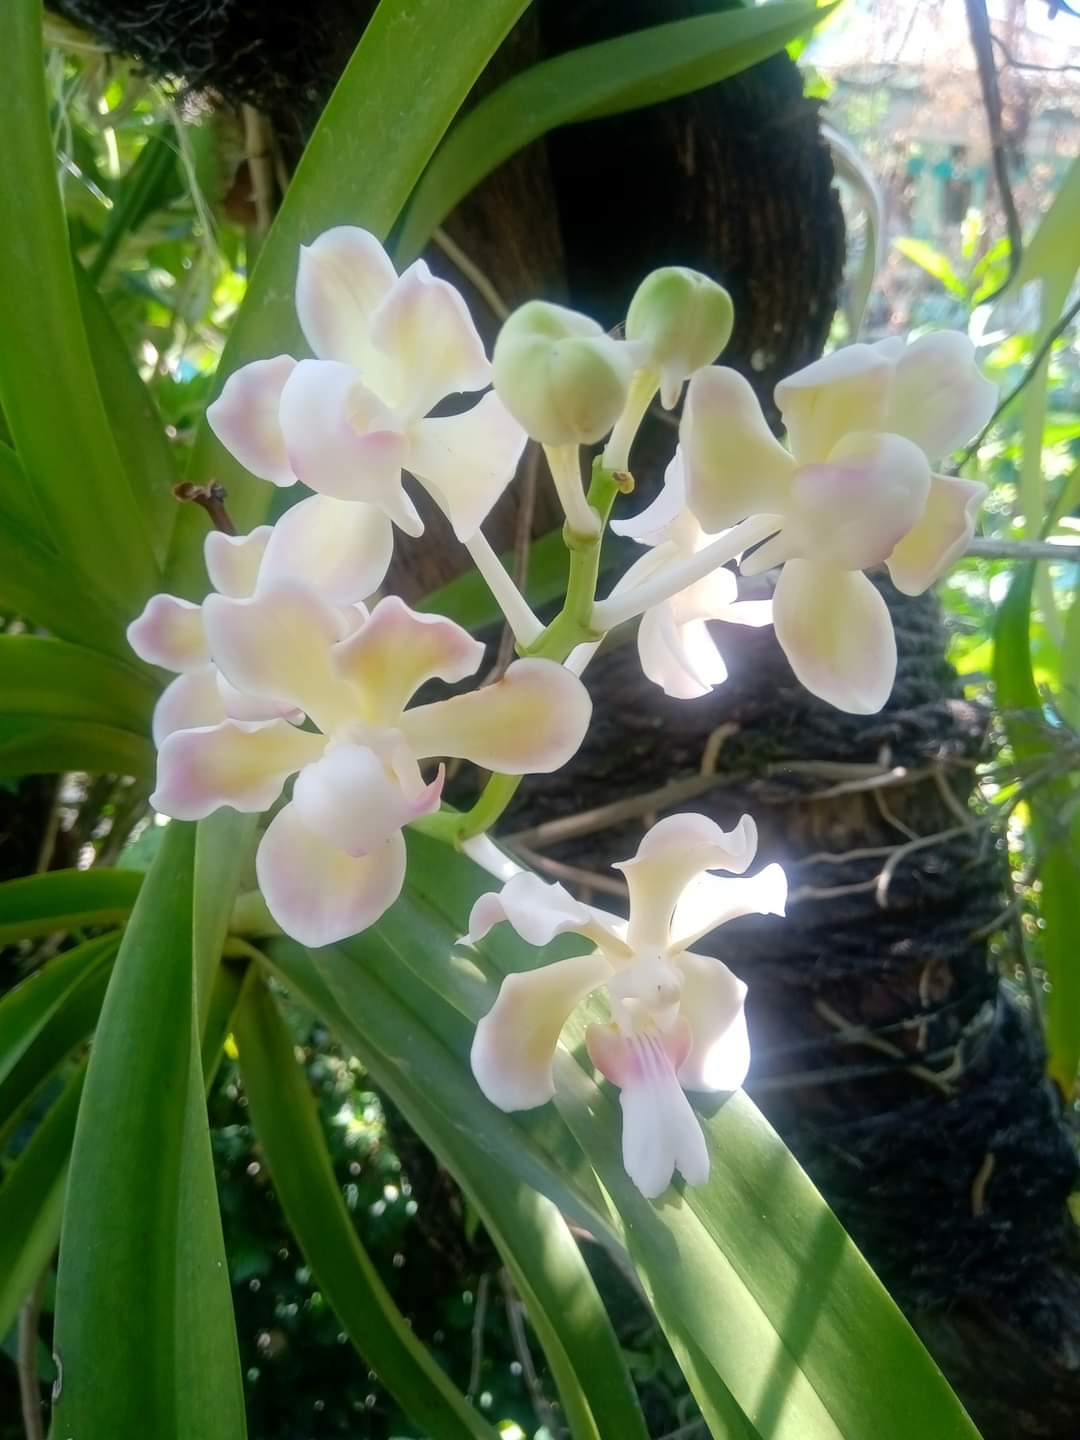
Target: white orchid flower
[(344, 550), (333, 859), (677, 1019), (388, 349), (856, 490), (677, 651)]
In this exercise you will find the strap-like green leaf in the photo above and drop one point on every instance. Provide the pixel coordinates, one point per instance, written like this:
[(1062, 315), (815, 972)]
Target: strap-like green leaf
[(32, 1202), (65, 900), (28, 1008), (287, 1125), (144, 1329), (47, 383), (626, 73), (407, 1058), (415, 64)]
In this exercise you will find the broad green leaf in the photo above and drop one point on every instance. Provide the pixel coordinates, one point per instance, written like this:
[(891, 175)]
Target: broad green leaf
[(52, 678), (48, 388), (222, 851), (767, 1290), (627, 73), (32, 745), (287, 1125), (1055, 823), (404, 1054), (65, 900), (137, 427), (32, 1202), (27, 1009), (34, 583), (933, 262), (65, 707), (414, 65), (144, 1330)]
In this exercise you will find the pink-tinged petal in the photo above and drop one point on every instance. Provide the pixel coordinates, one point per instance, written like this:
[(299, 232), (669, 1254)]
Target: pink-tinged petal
[(681, 658), (852, 510), (342, 548), (277, 647), (939, 398), (341, 280), (712, 1004), (352, 801), (232, 561), (240, 706), (847, 390), (343, 441), (238, 763), (317, 893), (424, 329), (528, 723), (170, 632), (387, 659), (515, 1042), (837, 634), (940, 537), (188, 703), (674, 851), (710, 901), (733, 464), (661, 1133), (466, 461), (537, 910), (245, 418)]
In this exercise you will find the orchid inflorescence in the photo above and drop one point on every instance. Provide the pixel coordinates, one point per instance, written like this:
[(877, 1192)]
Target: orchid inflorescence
[(292, 665)]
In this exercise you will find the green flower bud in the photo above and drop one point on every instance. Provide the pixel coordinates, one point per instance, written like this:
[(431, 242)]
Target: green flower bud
[(684, 319), (560, 376)]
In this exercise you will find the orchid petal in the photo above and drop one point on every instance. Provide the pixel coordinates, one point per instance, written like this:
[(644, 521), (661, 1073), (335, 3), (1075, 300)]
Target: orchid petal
[(652, 526), (277, 646), (317, 893), (528, 723), (734, 466), (341, 548), (852, 510), (396, 651), (712, 1003), (245, 418), (239, 763), (170, 632), (466, 461), (939, 397), (837, 634), (754, 613), (350, 799), (940, 537), (233, 561), (847, 390), (537, 910), (341, 280), (432, 349), (515, 1042), (191, 701), (661, 1133), (710, 901), (674, 851), (681, 658), (343, 441), (241, 706)]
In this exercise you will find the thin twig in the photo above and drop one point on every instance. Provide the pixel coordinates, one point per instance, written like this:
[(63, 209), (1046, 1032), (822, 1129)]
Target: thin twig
[(1023, 550), (860, 1035), (603, 817), (258, 152), (479, 1317), (515, 1314), (476, 277), (982, 44), (587, 879), (29, 1388), (921, 842)]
